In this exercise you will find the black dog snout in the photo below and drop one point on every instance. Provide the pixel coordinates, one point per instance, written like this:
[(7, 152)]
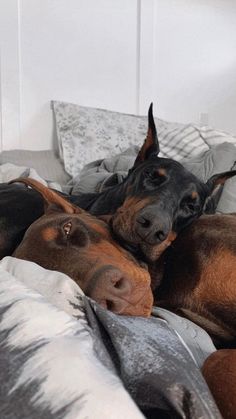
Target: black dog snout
[(152, 229)]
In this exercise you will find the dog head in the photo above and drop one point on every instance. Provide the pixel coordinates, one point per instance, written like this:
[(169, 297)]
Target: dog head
[(70, 240)]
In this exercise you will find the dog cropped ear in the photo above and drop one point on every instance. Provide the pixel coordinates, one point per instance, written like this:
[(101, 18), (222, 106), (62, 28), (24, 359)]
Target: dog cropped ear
[(53, 202), (150, 146), (216, 184)]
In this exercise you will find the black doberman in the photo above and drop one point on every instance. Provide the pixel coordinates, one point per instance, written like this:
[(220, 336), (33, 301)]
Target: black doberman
[(157, 199)]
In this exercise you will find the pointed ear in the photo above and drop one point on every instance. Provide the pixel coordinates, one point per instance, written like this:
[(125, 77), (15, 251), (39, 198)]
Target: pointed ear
[(216, 184), (150, 146), (53, 201)]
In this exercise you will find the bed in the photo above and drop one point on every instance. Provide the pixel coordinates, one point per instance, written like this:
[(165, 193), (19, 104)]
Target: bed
[(62, 355)]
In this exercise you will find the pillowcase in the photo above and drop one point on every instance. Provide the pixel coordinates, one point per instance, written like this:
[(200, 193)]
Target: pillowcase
[(86, 134), (214, 137)]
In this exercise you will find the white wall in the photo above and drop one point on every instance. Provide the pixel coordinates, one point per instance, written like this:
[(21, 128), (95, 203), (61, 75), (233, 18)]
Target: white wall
[(194, 61), (118, 55)]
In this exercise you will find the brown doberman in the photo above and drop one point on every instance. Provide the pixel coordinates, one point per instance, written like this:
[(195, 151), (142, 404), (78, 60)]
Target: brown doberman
[(70, 240), (196, 277)]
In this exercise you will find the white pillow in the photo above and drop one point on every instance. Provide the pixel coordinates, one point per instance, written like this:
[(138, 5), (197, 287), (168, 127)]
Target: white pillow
[(86, 134)]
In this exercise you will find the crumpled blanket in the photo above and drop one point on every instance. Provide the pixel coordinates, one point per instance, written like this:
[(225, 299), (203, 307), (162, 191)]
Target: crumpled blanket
[(63, 356), (101, 174)]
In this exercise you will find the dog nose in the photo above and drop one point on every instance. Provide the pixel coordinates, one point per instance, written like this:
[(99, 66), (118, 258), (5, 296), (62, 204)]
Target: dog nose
[(112, 290), (151, 229)]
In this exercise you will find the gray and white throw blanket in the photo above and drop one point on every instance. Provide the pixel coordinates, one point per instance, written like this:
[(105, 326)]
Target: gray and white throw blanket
[(63, 356)]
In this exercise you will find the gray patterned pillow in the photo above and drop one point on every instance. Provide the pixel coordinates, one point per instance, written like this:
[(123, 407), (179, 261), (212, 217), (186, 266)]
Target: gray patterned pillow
[(87, 134)]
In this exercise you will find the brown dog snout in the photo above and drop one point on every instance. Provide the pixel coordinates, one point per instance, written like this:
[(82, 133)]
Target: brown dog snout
[(111, 289), (116, 292)]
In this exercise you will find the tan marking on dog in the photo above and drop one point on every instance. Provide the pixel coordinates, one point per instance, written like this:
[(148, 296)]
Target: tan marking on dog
[(146, 145), (161, 171), (49, 234), (154, 252), (194, 195), (134, 202), (171, 236)]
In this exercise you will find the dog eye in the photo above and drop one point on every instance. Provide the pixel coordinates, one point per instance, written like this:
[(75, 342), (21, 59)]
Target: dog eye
[(155, 176), (151, 175), (67, 228), (190, 206)]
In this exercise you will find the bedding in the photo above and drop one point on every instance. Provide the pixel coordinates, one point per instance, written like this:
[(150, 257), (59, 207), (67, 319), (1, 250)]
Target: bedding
[(62, 355), (46, 163), (9, 171)]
